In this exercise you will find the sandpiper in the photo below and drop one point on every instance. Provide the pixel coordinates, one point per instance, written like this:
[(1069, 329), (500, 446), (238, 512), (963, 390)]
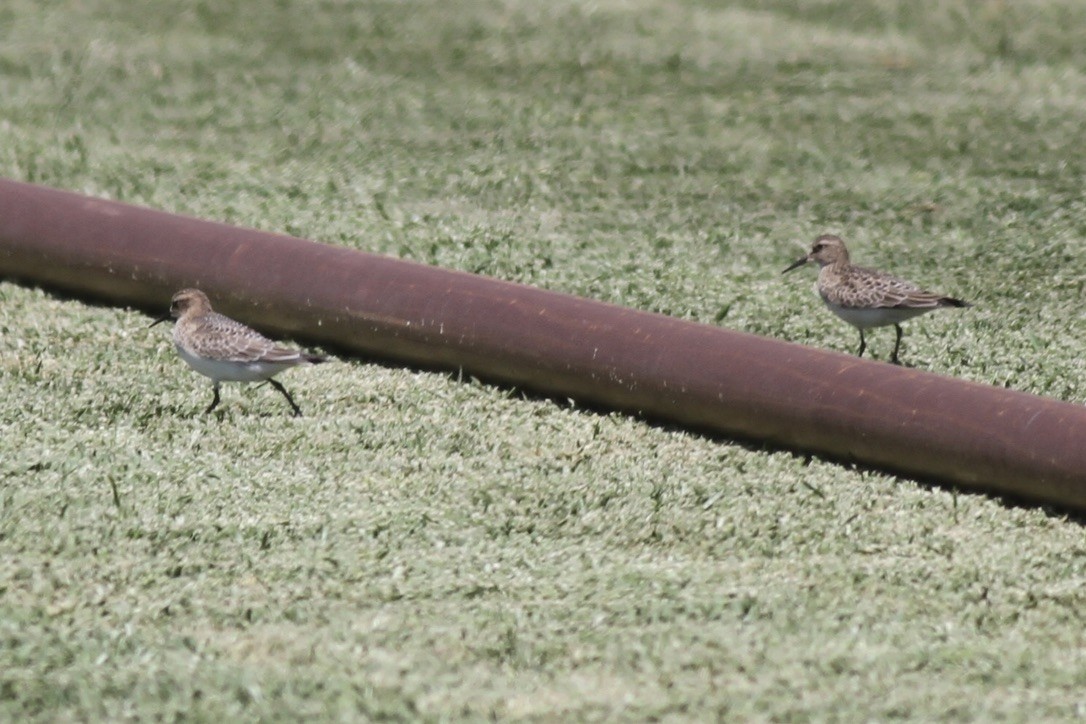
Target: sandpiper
[(866, 298), (226, 350)]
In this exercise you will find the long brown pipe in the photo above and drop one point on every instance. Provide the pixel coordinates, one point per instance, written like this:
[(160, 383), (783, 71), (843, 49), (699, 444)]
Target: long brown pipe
[(901, 420)]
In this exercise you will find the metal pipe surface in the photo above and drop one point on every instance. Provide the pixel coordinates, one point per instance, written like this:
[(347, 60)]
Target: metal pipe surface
[(902, 420)]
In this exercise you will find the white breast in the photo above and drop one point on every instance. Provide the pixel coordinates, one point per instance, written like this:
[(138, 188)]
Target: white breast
[(222, 371), (876, 316)]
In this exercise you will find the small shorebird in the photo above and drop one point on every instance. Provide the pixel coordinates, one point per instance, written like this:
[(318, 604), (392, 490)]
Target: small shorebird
[(226, 350), (866, 298)]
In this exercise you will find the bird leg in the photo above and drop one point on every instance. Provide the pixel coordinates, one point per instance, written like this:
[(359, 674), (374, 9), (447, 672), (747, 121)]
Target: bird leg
[(279, 386), (863, 344), (897, 343), (215, 401)]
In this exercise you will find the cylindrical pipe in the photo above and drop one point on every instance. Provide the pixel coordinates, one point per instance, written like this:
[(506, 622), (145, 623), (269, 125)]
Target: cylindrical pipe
[(738, 384)]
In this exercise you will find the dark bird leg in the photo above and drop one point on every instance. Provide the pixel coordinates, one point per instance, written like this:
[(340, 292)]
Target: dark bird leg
[(863, 344), (893, 357), (278, 386), (215, 401)]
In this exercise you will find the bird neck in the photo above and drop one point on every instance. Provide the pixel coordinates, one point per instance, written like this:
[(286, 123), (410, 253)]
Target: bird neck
[(837, 268), (841, 263)]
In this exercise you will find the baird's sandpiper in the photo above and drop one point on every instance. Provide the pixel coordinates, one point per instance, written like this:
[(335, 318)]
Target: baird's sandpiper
[(226, 350), (866, 298)]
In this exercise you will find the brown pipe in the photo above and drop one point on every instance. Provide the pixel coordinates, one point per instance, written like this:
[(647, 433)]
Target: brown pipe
[(901, 420)]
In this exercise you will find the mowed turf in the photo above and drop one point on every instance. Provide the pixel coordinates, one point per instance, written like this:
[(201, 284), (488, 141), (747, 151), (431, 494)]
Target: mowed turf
[(421, 546)]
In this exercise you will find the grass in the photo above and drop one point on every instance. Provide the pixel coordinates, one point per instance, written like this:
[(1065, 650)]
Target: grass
[(421, 546)]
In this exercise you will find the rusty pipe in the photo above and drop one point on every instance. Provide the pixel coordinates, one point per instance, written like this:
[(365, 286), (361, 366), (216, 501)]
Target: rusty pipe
[(902, 420)]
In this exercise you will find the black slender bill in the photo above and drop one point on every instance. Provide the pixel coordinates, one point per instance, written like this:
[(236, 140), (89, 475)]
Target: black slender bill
[(796, 264)]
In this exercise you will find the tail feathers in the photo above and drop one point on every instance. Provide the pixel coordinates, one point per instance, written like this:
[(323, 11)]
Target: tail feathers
[(314, 359), (952, 302)]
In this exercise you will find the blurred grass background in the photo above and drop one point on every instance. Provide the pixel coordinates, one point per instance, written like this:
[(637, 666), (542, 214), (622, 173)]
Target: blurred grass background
[(425, 547)]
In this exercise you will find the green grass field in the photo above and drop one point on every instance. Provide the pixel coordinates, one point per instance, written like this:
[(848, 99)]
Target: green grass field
[(429, 548)]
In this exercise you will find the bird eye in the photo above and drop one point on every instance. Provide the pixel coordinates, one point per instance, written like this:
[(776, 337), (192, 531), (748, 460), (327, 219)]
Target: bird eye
[(818, 247)]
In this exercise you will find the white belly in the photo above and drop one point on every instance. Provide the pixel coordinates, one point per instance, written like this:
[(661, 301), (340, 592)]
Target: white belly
[(877, 317), (221, 371)]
